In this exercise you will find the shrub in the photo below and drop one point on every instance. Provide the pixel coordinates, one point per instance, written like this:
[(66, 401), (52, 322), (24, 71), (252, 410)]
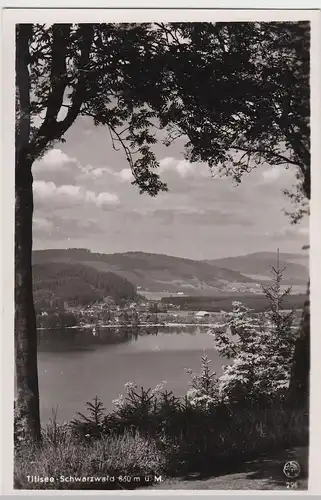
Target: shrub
[(204, 386), (201, 436), (57, 433), (260, 346), (93, 425), (117, 457), (244, 434), (175, 438)]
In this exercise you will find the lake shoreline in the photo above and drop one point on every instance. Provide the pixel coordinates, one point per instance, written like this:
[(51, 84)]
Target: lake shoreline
[(144, 325)]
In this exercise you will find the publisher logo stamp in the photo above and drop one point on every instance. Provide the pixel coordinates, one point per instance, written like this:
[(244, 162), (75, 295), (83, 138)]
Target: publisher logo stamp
[(292, 469)]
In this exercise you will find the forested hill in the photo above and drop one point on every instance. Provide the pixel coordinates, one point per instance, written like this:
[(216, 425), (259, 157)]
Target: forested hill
[(153, 272), (78, 284), (165, 273)]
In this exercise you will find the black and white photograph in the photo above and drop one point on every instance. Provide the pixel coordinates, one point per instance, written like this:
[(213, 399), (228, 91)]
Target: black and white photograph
[(161, 253)]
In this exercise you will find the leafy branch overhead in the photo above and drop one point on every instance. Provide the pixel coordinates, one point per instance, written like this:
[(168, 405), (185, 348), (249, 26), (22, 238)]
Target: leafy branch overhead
[(82, 70), (238, 93)]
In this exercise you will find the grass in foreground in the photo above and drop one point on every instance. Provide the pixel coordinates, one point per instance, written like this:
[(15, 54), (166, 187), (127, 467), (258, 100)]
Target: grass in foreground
[(106, 463), (133, 458)]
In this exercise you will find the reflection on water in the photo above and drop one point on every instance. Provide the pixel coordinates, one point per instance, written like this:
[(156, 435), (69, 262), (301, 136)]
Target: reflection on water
[(76, 364), (77, 339)]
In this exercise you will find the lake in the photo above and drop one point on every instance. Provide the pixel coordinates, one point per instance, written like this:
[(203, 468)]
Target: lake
[(77, 364)]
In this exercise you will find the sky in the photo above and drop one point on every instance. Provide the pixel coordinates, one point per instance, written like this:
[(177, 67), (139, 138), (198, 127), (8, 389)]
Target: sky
[(84, 199)]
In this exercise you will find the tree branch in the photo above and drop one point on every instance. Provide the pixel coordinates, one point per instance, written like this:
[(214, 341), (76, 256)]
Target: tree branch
[(52, 130), (58, 77), (282, 158), (294, 139), (169, 32), (87, 34)]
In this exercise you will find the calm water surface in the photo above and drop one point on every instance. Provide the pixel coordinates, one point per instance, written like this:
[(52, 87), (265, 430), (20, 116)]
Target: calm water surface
[(75, 365)]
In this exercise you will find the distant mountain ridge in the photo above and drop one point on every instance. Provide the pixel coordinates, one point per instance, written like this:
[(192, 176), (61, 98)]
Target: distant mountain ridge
[(152, 272), (158, 272), (258, 265)]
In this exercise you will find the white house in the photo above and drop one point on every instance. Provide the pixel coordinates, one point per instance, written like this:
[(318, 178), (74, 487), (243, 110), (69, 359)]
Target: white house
[(202, 314)]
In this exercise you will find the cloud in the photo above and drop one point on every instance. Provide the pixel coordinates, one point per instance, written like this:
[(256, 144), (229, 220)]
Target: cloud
[(94, 173), (77, 182), (42, 224), (183, 168), (55, 159), (104, 199), (280, 174), (47, 193), (57, 167), (61, 169), (69, 190), (125, 175), (166, 163), (99, 171), (304, 231), (290, 232), (58, 228), (272, 174), (87, 131), (197, 216), (90, 172)]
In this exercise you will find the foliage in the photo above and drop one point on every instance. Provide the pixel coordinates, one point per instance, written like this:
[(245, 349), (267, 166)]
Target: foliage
[(209, 440), (148, 411), (54, 319), (119, 457), (18, 430), (204, 386), (298, 199), (56, 433), (260, 346), (83, 69), (239, 92), (192, 435), (78, 284), (299, 389), (91, 425), (219, 445)]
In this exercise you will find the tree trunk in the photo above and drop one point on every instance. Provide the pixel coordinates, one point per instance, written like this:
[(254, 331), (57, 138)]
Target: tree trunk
[(300, 374), (299, 389), (26, 374)]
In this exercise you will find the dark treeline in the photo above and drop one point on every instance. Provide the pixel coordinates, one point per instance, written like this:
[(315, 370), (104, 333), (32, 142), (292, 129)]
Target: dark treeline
[(223, 302), (78, 284), (59, 319), (42, 256)]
